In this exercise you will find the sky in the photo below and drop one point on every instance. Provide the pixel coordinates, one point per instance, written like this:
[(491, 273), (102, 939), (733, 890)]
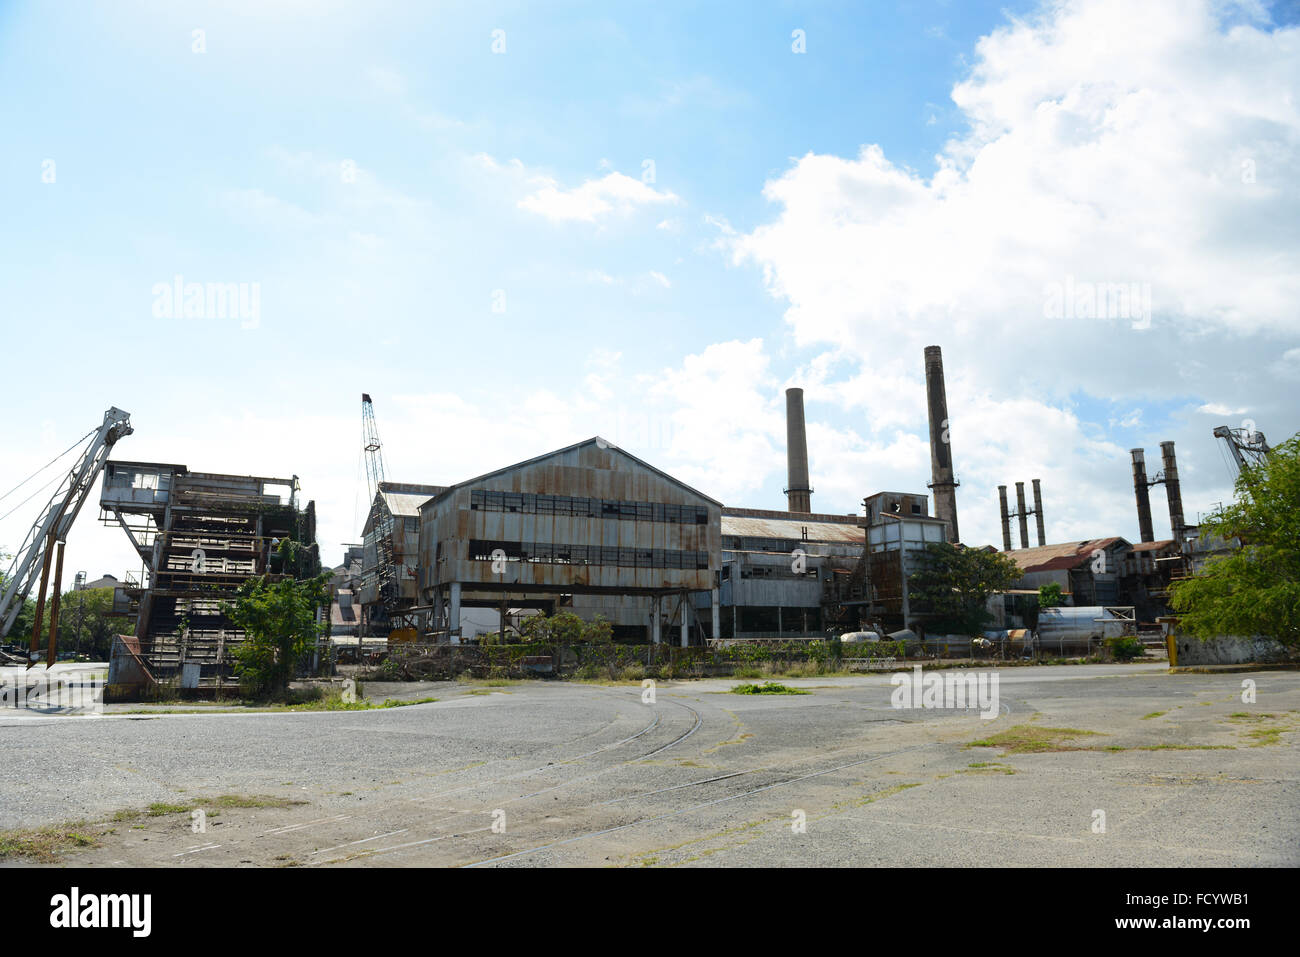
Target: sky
[(517, 226)]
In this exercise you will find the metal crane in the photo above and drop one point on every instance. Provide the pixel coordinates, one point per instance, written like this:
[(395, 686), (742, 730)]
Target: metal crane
[(1248, 447), (381, 520), (50, 530)]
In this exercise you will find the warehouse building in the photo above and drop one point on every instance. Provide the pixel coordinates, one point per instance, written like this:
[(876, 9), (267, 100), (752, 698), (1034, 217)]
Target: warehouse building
[(589, 527)]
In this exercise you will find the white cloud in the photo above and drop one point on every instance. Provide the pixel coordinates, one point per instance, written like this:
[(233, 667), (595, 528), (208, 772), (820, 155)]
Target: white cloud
[(613, 193), (1108, 142)]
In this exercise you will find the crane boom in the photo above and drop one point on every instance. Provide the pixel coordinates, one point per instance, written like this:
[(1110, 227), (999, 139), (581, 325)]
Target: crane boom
[(1248, 447), (33, 557), (381, 521)]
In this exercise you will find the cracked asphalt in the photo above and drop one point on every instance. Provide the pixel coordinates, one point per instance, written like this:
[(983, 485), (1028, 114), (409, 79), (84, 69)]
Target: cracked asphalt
[(1178, 772)]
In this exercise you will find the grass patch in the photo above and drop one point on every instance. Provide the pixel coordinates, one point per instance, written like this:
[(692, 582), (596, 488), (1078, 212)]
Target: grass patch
[(1024, 739), (767, 687), (1262, 737), (1153, 714), (46, 844), (1266, 736), (987, 767), (159, 808)]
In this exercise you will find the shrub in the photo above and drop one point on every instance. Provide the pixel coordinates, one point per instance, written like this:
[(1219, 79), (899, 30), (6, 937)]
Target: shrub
[(1125, 647)]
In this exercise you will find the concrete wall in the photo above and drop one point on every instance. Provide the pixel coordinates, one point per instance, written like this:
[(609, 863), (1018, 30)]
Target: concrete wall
[(1227, 650)]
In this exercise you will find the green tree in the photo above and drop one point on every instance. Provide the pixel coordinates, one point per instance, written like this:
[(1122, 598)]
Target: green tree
[(1049, 595), (279, 623), (953, 584), (567, 628), (86, 622), (1255, 590)]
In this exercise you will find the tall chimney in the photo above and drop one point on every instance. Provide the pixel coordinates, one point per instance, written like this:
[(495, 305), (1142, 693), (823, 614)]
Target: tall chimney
[(1023, 515), (1038, 512), (798, 494), (1172, 491), (1006, 518), (942, 481), (1143, 493)]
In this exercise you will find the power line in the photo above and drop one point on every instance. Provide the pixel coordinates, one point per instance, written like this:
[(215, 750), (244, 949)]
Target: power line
[(79, 441), (30, 497)]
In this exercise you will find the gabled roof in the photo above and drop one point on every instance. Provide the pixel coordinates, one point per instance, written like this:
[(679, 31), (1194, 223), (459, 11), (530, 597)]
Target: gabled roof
[(1069, 555), (402, 504), (594, 440)]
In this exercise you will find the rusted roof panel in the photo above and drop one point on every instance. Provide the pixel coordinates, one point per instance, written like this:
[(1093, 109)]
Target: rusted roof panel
[(1047, 558), (746, 527)]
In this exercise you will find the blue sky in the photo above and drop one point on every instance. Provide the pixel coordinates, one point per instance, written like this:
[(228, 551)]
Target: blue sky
[(674, 215)]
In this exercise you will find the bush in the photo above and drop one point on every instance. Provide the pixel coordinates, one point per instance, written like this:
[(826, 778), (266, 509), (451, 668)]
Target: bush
[(1125, 647)]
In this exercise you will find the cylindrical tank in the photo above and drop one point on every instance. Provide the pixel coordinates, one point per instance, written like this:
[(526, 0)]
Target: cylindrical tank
[(1071, 626)]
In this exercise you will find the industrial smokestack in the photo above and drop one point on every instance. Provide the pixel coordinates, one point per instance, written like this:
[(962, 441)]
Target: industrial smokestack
[(941, 474), (1022, 514), (1143, 492), (1006, 519), (1038, 512), (798, 494), (1172, 490)]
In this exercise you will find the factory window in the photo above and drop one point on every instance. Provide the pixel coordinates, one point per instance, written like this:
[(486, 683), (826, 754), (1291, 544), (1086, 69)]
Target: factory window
[(556, 553), (490, 501), (410, 524), (916, 510)]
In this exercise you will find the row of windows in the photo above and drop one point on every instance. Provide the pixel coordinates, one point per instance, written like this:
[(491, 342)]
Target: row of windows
[(554, 553), (527, 502), (777, 571), (738, 543)]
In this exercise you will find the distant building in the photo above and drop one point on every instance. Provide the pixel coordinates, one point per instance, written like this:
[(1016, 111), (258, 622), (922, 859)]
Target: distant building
[(104, 581)]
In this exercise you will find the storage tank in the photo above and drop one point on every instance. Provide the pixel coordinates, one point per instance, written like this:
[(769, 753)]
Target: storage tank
[(1071, 628)]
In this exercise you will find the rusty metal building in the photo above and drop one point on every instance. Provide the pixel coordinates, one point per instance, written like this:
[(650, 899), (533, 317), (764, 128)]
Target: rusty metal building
[(789, 574), (199, 535), (392, 536), (589, 526)]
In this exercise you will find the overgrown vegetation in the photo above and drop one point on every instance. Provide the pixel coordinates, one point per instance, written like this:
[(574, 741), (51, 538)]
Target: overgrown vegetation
[(767, 687), (566, 628), (1125, 647), (1029, 739), (1254, 590), (1049, 595), (954, 583), (279, 622)]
